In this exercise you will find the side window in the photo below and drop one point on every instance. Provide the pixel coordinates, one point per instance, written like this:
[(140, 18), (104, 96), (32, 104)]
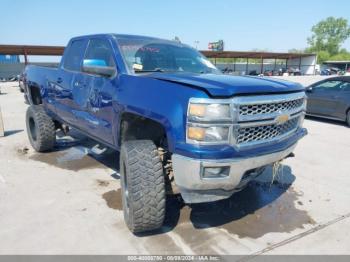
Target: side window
[(100, 49), (345, 86), (73, 56), (332, 85)]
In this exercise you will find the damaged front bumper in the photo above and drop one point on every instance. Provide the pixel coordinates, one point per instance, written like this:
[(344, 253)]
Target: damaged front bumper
[(196, 187)]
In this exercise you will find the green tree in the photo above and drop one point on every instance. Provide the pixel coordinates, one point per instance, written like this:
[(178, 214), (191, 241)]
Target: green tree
[(322, 56), (342, 56), (328, 35)]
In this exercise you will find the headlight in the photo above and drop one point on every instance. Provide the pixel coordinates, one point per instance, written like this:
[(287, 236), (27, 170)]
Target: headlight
[(209, 134), (209, 121), (208, 112)]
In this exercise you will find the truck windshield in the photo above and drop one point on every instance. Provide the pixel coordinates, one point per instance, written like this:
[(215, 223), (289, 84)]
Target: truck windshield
[(144, 55)]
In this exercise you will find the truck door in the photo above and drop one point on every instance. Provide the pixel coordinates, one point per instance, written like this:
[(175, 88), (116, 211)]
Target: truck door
[(68, 80), (99, 110), (324, 97)]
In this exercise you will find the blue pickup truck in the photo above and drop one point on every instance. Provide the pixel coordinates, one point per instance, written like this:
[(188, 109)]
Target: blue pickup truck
[(179, 124)]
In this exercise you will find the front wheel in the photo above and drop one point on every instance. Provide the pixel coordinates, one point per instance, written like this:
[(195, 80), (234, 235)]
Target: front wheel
[(348, 118), (143, 186)]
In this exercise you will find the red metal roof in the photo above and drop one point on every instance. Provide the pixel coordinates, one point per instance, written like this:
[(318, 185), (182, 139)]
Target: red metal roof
[(31, 50), (58, 50), (256, 55)]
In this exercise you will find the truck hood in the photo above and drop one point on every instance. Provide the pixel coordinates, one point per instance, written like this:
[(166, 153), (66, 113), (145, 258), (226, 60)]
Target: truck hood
[(225, 85)]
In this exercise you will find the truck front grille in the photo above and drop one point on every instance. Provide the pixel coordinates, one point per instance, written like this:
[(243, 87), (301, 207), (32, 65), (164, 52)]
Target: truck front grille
[(265, 132), (258, 118), (256, 109)]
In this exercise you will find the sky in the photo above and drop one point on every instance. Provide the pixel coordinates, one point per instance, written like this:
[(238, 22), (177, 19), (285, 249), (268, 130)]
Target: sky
[(243, 25)]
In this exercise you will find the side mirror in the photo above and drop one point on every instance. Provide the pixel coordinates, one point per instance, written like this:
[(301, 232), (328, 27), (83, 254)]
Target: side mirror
[(97, 67)]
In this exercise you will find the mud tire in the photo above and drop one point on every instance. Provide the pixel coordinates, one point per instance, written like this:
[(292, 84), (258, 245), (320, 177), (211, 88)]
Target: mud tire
[(40, 129), (143, 186)]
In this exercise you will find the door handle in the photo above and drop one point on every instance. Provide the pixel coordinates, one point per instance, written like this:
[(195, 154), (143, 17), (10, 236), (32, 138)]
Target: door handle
[(59, 80)]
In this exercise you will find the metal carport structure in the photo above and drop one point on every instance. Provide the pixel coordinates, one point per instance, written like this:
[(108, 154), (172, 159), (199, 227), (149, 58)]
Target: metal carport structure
[(26, 50), (297, 57)]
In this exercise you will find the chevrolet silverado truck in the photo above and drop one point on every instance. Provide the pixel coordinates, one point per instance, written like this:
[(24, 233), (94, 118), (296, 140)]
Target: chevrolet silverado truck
[(179, 124)]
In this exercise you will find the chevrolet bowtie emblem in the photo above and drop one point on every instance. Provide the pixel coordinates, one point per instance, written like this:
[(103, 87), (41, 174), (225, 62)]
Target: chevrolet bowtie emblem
[(281, 119)]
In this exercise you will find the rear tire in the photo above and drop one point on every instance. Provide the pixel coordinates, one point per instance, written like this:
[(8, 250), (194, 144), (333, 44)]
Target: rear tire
[(40, 129), (348, 118), (143, 186)]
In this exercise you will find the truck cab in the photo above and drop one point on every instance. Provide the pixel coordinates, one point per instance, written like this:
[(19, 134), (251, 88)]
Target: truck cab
[(176, 120)]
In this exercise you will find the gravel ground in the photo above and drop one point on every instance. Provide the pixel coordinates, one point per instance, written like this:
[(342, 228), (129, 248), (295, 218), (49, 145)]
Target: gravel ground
[(68, 201)]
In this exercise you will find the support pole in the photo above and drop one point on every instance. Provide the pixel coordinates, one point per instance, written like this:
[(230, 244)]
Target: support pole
[(262, 65), (315, 62), (25, 57), (246, 67)]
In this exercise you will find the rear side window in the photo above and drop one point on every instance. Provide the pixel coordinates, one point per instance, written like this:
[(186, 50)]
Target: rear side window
[(74, 55), (100, 49)]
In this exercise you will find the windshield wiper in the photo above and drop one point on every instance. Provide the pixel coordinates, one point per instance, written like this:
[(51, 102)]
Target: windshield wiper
[(150, 71)]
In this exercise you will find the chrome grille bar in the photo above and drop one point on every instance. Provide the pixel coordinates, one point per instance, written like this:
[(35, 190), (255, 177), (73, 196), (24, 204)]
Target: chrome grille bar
[(258, 118), (263, 133), (252, 108)]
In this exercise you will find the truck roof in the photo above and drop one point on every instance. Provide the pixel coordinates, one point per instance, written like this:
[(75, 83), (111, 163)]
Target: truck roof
[(114, 35)]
